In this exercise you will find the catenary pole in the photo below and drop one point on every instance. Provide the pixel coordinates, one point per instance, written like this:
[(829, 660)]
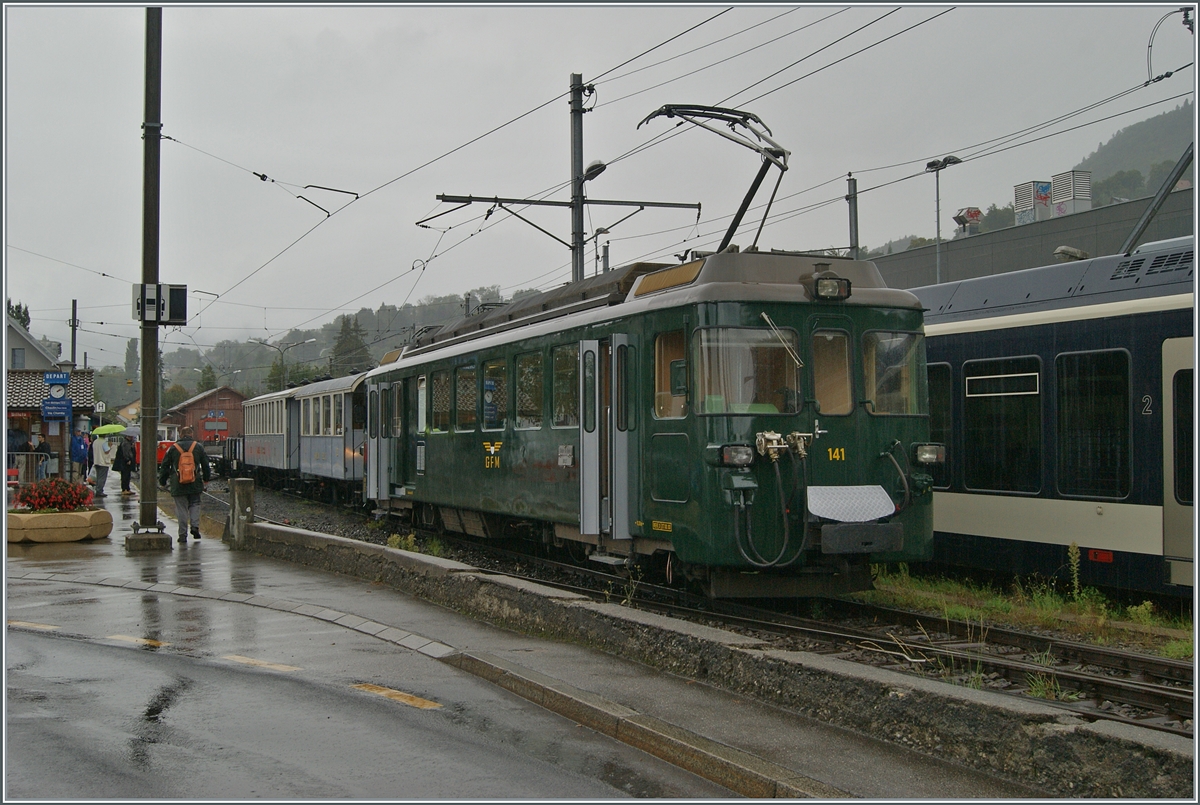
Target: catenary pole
[(151, 138)]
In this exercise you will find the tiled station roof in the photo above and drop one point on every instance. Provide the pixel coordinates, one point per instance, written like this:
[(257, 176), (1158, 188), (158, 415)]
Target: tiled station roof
[(26, 388)]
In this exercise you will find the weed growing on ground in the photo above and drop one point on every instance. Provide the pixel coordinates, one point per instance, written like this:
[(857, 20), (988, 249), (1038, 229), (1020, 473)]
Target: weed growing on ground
[(435, 547), (1179, 649), (407, 542)]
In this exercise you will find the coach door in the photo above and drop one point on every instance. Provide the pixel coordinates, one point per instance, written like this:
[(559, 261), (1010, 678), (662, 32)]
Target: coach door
[(378, 466), (1178, 421), (604, 437)]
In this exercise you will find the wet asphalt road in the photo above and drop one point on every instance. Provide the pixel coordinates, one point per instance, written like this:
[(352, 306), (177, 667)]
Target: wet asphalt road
[(242, 702)]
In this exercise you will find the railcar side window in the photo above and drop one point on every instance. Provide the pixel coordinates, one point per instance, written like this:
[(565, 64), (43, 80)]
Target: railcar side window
[(422, 404), (440, 402), (746, 371), (385, 413), (941, 423), (668, 348), (831, 372), (1184, 416), (327, 415), (530, 382), (565, 390), (893, 365), (1002, 425), (495, 395), (374, 416), (1094, 439), (397, 406), (466, 397), (305, 422)]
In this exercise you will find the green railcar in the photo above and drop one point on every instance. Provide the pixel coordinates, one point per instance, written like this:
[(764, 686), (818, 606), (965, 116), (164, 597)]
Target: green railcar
[(754, 422)]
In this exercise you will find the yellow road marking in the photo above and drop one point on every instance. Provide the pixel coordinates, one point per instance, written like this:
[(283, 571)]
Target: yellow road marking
[(397, 696), (141, 641), (274, 666), (29, 625)]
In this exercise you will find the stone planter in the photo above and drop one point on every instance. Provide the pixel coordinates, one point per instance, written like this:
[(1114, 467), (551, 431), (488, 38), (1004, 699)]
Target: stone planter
[(59, 526)]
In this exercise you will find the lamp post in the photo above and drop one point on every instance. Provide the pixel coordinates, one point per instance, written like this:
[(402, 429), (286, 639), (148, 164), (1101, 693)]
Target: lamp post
[(936, 167), (281, 349)]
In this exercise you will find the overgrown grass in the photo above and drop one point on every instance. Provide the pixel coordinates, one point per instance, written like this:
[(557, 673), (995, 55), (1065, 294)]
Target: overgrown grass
[(1083, 613)]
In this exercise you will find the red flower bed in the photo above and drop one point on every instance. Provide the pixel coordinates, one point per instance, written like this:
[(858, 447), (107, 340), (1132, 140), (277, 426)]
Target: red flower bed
[(53, 494)]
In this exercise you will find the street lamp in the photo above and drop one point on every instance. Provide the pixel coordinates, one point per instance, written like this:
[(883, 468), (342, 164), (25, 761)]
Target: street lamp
[(282, 348), (935, 167)]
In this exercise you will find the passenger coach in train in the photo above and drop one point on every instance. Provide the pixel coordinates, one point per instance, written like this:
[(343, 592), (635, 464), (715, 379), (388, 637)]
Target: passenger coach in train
[(311, 438), (755, 422), (1064, 395)]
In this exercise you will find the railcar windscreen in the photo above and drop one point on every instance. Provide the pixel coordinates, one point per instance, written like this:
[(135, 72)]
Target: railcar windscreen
[(746, 371), (893, 365)]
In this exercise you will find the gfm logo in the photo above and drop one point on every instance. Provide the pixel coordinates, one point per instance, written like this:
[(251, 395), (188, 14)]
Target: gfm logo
[(491, 461)]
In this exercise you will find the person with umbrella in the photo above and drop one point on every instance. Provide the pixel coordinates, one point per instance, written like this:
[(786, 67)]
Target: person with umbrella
[(102, 455), (125, 463)]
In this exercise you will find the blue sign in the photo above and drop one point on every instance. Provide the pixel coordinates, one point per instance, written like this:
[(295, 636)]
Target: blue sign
[(56, 409), (57, 378)]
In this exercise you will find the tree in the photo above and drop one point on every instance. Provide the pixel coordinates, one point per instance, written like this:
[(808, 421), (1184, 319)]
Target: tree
[(917, 243), (998, 218), (350, 353), (173, 395), (1121, 186), (208, 379), (296, 373), (19, 313), (132, 358)]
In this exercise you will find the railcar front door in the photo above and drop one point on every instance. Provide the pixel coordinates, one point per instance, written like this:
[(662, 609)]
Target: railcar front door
[(1179, 540), (604, 437)]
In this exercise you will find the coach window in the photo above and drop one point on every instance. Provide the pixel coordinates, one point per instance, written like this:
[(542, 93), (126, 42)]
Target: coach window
[(495, 395), (940, 419), (466, 398), (339, 402), (1184, 416), (831, 372), (1094, 438), (565, 391), (530, 383), (892, 364), (327, 415), (305, 424), (1002, 425), (440, 399), (669, 348)]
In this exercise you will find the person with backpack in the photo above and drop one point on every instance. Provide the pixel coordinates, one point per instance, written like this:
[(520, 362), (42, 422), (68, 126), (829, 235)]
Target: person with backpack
[(185, 467)]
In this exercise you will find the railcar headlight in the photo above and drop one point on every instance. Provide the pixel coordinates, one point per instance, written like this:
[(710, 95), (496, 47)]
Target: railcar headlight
[(835, 288), (737, 455), (931, 453)]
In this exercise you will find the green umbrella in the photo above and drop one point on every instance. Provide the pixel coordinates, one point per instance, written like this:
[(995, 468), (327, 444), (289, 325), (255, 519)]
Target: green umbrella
[(105, 430)]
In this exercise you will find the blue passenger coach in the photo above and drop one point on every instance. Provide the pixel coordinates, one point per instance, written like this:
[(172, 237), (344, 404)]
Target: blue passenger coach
[(1064, 395)]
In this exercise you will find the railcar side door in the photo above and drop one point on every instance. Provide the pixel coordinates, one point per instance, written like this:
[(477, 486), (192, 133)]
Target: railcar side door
[(378, 465), (1178, 417), (604, 437)]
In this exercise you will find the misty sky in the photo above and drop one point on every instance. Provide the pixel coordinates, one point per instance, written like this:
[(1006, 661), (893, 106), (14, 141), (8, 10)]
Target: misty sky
[(391, 102)]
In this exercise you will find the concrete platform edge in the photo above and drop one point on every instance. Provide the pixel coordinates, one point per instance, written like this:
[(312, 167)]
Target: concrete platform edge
[(1018, 740)]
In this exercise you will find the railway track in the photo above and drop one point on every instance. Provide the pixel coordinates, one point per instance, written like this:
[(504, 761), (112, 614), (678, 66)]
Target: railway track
[(1094, 682)]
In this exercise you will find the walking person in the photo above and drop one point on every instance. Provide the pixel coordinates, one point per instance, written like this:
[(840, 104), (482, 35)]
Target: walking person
[(43, 453), (185, 467), (125, 463), (79, 454), (102, 459)]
